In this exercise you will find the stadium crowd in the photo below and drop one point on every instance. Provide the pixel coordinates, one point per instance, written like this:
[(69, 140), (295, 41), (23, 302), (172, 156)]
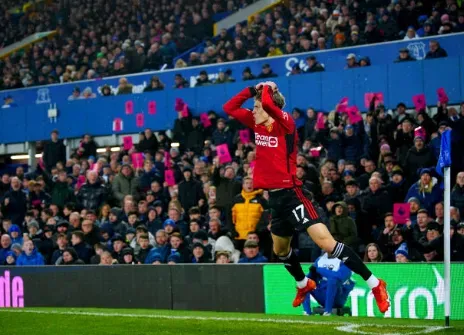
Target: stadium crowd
[(181, 205), (96, 39)]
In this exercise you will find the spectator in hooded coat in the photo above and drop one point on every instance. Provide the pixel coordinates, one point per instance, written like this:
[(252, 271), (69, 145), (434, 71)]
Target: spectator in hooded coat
[(342, 226), (190, 190)]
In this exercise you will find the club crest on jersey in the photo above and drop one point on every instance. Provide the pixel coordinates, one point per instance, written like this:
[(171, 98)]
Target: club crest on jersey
[(266, 141)]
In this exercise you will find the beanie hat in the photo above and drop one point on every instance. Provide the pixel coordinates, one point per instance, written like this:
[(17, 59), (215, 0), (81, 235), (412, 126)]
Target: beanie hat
[(402, 250)]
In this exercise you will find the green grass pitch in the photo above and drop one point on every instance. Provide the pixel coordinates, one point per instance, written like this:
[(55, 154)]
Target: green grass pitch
[(83, 321)]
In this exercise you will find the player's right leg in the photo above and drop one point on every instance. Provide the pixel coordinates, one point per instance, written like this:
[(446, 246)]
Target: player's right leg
[(324, 239), (281, 246)]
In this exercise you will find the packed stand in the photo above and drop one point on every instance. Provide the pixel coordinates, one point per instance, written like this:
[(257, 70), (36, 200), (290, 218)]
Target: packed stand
[(99, 39), (181, 205)]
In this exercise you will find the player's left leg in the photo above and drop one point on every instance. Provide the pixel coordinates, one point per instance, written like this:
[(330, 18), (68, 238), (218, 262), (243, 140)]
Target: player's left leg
[(322, 237)]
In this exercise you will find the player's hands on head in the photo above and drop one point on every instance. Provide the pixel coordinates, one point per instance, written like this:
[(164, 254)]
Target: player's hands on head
[(271, 84)]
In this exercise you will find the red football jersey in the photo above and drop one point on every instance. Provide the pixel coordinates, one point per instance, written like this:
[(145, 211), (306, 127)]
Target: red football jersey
[(276, 145)]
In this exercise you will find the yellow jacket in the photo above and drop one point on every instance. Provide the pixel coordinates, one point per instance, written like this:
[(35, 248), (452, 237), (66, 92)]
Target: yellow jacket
[(246, 212)]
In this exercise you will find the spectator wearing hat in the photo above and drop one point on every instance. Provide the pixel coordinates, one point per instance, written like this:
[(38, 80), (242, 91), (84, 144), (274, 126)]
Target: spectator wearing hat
[(355, 142), (404, 56), (180, 82), (116, 224), (388, 26), (128, 257), (10, 259), (414, 207), (342, 227), (427, 190), (169, 226), (351, 61), (313, 65), (30, 255), (175, 214), (93, 193), (457, 193), (418, 157), (266, 72), (154, 85), (202, 79), (402, 254), (199, 254), (15, 234), (38, 198), (125, 183), (436, 51), (33, 229), (76, 94), (54, 151), (247, 75), (252, 254), (397, 188), (190, 190)]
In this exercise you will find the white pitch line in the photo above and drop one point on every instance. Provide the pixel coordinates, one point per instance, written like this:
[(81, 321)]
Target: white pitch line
[(342, 326)]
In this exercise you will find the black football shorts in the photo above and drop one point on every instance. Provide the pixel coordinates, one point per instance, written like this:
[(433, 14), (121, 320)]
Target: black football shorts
[(291, 210)]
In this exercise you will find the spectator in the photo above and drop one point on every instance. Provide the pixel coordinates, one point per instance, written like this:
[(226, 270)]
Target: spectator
[(252, 254), (180, 82), (247, 75), (419, 157), (199, 254), (247, 210), (404, 56), (154, 85), (401, 254), (10, 259), (226, 187), (203, 79), (124, 87), (159, 253), (92, 194), (15, 234), (190, 190), (125, 183), (14, 203), (427, 190), (313, 65), (54, 152), (149, 143), (5, 247), (76, 94), (106, 91), (457, 193), (221, 135), (410, 34), (87, 148), (266, 72), (62, 243), (376, 202), (70, 257), (83, 250), (342, 227), (436, 51), (351, 61), (372, 254), (30, 256)]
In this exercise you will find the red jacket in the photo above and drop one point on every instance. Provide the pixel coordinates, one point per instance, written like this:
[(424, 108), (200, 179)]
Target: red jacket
[(276, 145)]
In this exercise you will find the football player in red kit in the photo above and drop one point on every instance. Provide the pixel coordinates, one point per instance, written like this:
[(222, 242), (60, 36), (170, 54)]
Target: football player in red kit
[(275, 168)]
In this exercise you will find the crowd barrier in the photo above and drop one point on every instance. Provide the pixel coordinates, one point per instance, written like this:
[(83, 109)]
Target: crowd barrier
[(398, 82), (416, 290)]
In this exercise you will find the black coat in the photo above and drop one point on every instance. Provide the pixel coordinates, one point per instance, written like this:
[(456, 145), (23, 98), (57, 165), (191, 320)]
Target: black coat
[(92, 196), (376, 205), (90, 149), (16, 208), (457, 198), (53, 153), (84, 251), (190, 192), (195, 139), (149, 144), (418, 159), (403, 143)]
